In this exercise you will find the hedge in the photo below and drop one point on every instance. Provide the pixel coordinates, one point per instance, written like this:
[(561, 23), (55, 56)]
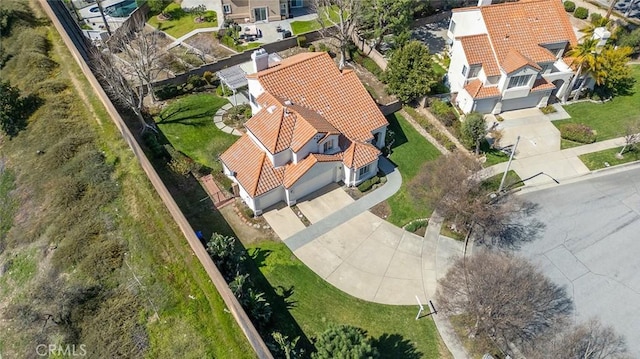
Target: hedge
[(581, 13), (577, 132), (569, 6), (366, 185)]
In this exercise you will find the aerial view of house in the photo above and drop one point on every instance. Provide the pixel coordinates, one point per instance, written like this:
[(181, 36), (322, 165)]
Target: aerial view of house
[(312, 125), (509, 56)]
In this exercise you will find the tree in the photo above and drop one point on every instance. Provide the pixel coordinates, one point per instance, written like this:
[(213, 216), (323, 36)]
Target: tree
[(337, 19), (452, 186), (588, 340), (342, 342), (409, 73), (117, 86), (378, 18), (631, 39), (142, 53), (504, 297), (286, 346), (631, 138), (588, 30), (474, 130), (156, 6), (15, 109), (226, 256), (611, 72), (584, 57)]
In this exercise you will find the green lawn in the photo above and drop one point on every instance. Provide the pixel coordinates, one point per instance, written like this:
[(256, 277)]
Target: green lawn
[(314, 304), (188, 125), (493, 183), (596, 160), (608, 119), (182, 23), (409, 152), (302, 27)]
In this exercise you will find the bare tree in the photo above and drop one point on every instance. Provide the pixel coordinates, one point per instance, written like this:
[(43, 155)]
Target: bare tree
[(141, 53), (337, 19), (117, 86), (452, 186), (504, 297), (589, 340), (631, 138)]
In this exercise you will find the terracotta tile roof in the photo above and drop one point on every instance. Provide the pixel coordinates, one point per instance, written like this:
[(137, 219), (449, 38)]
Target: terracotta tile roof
[(294, 172), (542, 84), (478, 51), (478, 91), (515, 61), (359, 154), (525, 26), (253, 169), (313, 81)]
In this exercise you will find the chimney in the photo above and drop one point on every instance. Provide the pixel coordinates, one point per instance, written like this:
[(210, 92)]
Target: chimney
[(484, 2), (260, 60), (602, 35)]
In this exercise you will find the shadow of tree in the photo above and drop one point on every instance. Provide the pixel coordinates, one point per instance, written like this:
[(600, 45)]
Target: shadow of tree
[(396, 346), (188, 118), (399, 136), (259, 256), (285, 294)]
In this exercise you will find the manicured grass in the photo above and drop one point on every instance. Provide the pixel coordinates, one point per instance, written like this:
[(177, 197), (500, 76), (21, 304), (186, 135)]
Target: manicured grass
[(410, 151), (564, 144), (596, 160), (611, 118), (302, 27), (188, 125), (314, 303), (493, 183), (182, 23)]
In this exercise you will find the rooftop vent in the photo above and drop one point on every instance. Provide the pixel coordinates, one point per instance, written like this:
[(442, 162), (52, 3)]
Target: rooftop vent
[(288, 103), (271, 108)]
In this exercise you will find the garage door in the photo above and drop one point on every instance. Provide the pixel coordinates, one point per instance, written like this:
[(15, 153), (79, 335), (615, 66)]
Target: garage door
[(520, 103), (485, 106), (320, 175)]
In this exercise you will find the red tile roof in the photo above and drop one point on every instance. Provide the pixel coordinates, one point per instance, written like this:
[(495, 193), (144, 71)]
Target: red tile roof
[(479, 91), (360, 154), (313, 81), (515, 61), (542, 84), (294, 172), (478, 51)]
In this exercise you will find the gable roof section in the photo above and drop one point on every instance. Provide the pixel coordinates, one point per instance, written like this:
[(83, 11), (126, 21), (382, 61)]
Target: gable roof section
[(294, 172), (253, 169), (314, 82), (360, 154), (478, 91), (515, 61), (525, 26), (478, 51), (542, 84)]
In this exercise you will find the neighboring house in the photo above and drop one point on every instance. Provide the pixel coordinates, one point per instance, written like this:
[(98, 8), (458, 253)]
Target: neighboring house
[(259, 10), (312, 125), (509, 56)]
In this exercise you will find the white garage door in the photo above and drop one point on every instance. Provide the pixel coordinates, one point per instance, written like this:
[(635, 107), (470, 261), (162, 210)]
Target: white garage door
[(320, 175), (486, 105), (520, 103)]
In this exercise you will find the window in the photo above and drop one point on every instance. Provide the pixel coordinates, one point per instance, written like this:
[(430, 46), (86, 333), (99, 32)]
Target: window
[(474, 71), (253, 100), (226, 8), (559, 52), (328, 146), (363, 171), (519, 81), (546, 68), (452, 26), (464, 70)]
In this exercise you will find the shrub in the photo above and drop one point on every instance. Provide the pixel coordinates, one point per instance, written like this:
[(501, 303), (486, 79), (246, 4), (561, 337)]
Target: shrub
[(323, 47), (581, 13), (151, 140), (302, 41), (167, 91), (196, 81), (209, 77), (223, 91), (444, 112), (236, 112), (312, 48), (595, 18), (366, 185), (569, 6), (578, 132), (415, 225), (548, 109)]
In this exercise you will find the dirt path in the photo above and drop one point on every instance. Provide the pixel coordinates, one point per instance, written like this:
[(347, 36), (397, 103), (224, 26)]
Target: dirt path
[(442, 128)]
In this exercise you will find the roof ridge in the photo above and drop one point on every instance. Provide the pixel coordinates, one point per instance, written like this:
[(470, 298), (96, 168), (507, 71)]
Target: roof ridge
[(255, 189), (297, 59)]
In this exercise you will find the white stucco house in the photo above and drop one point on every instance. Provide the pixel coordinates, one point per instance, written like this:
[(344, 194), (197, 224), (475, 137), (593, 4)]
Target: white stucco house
[(312, 125), (509, 56)]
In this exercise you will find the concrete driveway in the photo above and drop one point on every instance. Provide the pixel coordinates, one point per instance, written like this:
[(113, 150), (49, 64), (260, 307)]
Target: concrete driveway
[(321, 204), (591, 246), (537, 134)]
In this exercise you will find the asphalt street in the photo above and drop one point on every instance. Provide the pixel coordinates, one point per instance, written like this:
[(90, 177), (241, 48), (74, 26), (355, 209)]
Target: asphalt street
[(591, 245)]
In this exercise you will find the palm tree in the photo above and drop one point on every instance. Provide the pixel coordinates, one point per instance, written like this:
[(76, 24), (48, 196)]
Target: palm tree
[(589, 29), (610, 9), (584, 56)]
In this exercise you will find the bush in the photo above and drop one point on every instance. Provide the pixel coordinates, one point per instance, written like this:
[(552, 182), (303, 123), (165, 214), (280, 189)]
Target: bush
[(581, 13), (302, 41), (223, 91), (167, 91), (312, 48), (569, 6), (444, 112), (415, 225), (209, 77), (366, 185), (323, 47), (196, 81), (578, 132), (151, 140), (548, 109), (595, 18)]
